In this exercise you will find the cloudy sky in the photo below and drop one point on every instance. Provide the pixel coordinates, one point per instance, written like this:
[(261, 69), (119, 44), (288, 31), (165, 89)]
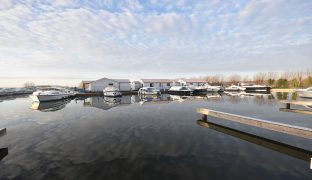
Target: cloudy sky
[(64, 41)]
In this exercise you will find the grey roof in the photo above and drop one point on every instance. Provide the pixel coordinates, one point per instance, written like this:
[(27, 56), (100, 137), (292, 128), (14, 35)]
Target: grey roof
[(122, 80), (157, 80)]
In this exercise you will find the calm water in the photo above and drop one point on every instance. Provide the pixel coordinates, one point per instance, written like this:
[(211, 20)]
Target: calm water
[(152, 138)]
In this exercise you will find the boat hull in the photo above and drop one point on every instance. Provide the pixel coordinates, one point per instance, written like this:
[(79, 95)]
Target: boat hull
[(257, 89), (44, 98), (304, 94), (112, 94), (180, 92)]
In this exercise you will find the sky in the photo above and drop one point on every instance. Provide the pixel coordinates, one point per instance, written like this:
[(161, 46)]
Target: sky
[(66, 41)]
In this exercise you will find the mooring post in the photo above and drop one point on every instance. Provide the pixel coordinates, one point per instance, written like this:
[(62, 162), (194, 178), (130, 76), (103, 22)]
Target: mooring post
[(204, 117), (287, 105)]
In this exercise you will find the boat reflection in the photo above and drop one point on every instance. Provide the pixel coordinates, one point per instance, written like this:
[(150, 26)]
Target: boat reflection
[(154, 99), (293, 151), (107, 103), (49, 106)]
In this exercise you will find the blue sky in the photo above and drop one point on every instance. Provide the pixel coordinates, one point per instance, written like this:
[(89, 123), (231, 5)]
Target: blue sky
[(64, 41)]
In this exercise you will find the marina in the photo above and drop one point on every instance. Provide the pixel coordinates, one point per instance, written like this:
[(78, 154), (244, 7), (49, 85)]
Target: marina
[(97, 122)]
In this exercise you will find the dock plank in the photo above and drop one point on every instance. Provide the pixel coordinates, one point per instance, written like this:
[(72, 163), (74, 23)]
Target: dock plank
[(296, 111), (270, 125), (293, 151), (303, 103)]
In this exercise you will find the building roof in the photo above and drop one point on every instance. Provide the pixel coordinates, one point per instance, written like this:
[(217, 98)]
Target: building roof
[(122, 80), (86, 81), (157, 80), (117, 80), (195, 80)]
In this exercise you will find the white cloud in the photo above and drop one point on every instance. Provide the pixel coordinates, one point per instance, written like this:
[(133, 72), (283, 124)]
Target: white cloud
[(124, 38)]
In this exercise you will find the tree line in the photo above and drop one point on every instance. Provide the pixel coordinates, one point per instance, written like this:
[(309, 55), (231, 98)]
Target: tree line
[(286, 79)]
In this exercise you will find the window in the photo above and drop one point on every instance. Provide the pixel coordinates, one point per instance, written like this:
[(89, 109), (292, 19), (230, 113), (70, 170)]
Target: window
[(110, 84), (168, 84), (151, 84)]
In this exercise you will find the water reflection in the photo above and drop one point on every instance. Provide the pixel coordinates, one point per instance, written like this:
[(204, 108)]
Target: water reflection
[(107, 103), (154, 99), (3, 151), (50, 105), (296, 152)]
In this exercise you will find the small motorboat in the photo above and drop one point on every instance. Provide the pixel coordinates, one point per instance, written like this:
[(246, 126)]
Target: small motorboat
[(304, 93), (49, 94), (198, 89), (213, 88), (235, 88), (111, 91), (148, 91), (180, 90)]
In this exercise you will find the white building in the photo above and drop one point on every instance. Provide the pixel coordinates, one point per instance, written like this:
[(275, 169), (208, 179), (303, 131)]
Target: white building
[(135, 85), (161, 84), (100, 84), (193, 82)]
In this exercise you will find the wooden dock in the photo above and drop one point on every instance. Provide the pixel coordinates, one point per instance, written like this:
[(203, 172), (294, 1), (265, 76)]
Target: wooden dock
[(293, 151), (2, 132), (300, 103), (270, 125)]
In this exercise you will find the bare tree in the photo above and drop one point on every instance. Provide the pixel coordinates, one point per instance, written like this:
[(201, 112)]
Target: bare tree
[(259, 78), (29, 84), (234, 78)]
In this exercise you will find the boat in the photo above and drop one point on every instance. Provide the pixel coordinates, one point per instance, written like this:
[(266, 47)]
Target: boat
[(148, 91), (111, 91), (304, 93), (255, 88), (198, 89), (49, 94), (235, 88), (213, 88), (180, 90)]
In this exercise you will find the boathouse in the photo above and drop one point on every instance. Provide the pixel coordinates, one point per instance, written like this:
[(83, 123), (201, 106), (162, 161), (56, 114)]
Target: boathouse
[(161, 84), (193, 82), (100, 84)]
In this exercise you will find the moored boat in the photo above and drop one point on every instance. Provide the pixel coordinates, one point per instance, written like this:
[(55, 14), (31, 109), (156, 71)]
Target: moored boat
[(111, 91), (180, 90), (213, 88), (49, 94), (255, 88), (235, 88), (304, 93), (148, 91)]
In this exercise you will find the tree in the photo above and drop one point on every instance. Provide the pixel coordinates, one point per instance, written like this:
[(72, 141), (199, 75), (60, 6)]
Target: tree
[(234, 78), (29, 84)]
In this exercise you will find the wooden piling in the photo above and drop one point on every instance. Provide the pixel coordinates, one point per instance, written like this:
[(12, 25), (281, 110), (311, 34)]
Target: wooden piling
[(270, 125), (2, 132)]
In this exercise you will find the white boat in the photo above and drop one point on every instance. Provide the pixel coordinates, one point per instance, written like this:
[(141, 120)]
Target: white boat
[(198, 89), (235, 88), (49, 94), (148, 91), (213, 88), (111, 91), (180, 90), (304, 93)]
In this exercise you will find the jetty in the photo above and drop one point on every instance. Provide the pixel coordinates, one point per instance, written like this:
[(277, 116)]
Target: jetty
[(264, 124), (299, 153), (288, 108)]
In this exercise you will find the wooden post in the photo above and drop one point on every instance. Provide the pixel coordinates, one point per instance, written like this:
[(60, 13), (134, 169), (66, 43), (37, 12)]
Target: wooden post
[(204, 117), (2, 132), (287, 105)]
